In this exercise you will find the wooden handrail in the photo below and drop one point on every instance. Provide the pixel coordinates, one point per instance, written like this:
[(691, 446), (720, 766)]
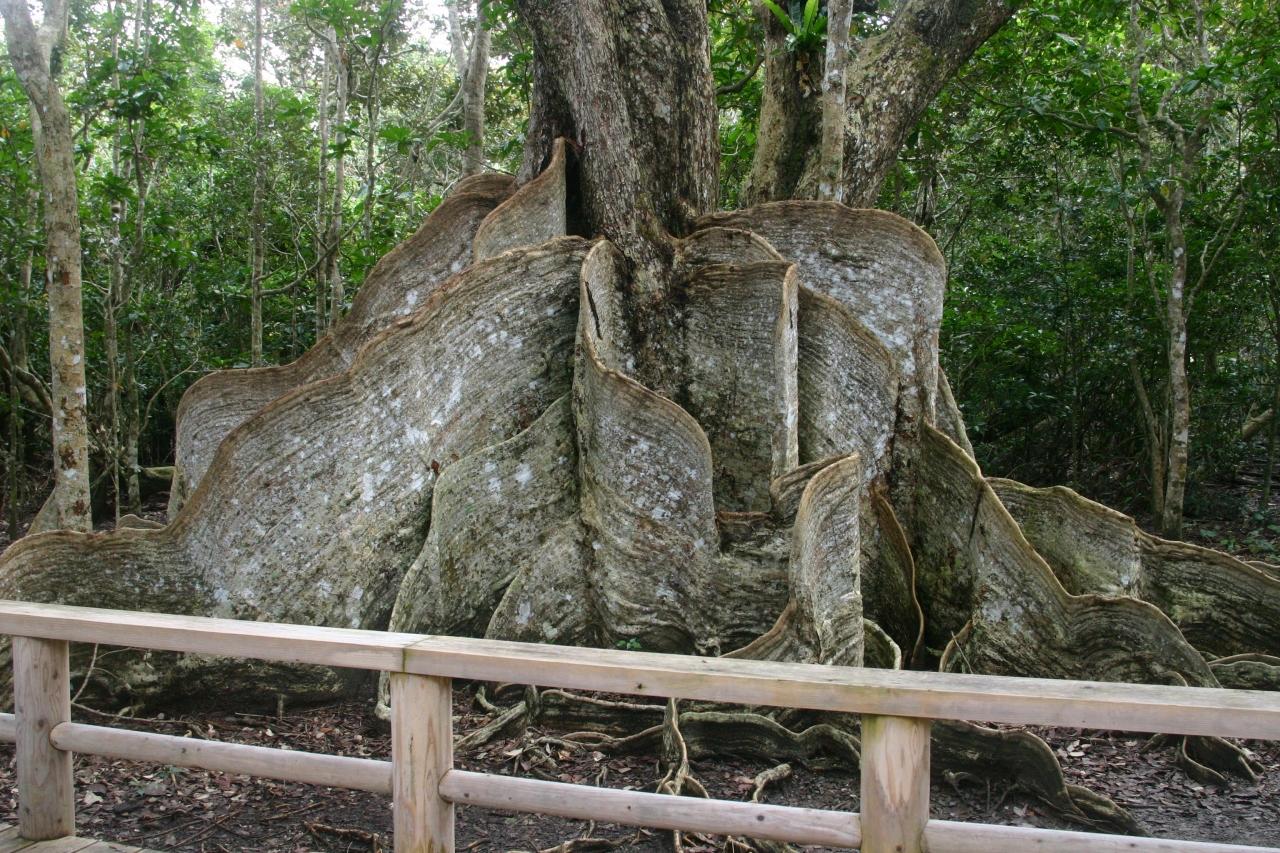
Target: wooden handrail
[(896, 708), (928, 695)]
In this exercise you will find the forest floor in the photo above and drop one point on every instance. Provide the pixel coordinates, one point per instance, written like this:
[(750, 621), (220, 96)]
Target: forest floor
[(169, 808)]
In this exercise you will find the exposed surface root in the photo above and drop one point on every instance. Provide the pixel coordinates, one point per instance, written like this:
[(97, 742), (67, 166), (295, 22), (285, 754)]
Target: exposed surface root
[(1222, 605), (1021, 758)]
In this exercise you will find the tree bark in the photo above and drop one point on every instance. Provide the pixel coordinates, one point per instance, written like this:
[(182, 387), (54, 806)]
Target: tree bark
[(473, 71), (259, 180), (889, 84), (630, 84), (1179, 386), (831, 157), (34, 57), (321, 231), (333, 239)]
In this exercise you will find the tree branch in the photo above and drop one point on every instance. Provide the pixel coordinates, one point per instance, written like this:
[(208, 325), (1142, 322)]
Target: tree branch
[(34, 389), (738, 85)]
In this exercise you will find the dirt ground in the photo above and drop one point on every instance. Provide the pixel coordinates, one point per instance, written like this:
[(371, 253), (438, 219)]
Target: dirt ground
[(169, 808)]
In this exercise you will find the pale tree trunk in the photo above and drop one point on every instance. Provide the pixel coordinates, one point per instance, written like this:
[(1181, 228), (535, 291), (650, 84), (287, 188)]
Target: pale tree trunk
[(113, 302), (1175, 486), (18, 363), (1167, 186), (259, 179), (143, 177), (111, 347), (890, 82), (831, 155), (333, 240), (322, 201), (473, 70), (373, 109), (30, 51)]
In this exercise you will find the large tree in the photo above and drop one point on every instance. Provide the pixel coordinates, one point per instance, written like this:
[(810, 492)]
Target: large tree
[(589, 409)]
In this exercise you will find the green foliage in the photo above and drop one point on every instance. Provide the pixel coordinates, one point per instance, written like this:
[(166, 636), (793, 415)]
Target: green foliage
[(1025, 172), (805, 27), (736, 44)]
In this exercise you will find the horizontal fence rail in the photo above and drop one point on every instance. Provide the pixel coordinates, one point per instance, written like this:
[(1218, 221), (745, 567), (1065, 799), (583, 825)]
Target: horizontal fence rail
[(425, 787)]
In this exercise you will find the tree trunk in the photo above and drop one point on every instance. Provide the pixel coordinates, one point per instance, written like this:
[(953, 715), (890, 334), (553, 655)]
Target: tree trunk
[(132, 421), (1179, 387), (134, 283), (15, 390), (1265, 504), (831, 155), (790, 127), (1155, 439), (890, 83), (259, 181), (373, 106), (115, 296), (630, 85), (473, 69), (30, 52), (321, 232), (333, 240), (13, 479)]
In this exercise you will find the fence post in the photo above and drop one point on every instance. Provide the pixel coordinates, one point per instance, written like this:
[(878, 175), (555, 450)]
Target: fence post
[(421, 753), (895, 784), (42, 699)]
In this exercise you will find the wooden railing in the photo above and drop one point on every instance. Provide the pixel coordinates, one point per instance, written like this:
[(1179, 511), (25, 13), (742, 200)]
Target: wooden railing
[(896, 709)]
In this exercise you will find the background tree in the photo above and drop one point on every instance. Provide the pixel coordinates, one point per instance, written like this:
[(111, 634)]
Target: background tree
[(36, 58)]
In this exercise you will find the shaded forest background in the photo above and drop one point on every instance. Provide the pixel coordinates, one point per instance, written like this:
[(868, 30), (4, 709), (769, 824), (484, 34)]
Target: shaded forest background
[(1029, 170)]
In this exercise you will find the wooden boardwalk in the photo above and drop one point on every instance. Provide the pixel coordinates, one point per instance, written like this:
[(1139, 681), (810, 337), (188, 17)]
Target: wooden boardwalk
[(11, 842)]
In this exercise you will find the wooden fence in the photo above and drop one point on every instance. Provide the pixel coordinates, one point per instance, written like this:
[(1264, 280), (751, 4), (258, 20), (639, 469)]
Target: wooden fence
[(896, 709)]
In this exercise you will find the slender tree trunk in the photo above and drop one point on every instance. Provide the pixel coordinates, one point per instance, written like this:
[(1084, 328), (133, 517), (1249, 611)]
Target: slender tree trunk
[(370, 161), (111, 342), (1155, 439), (333, 248), (321, 232), (831, 155), (114, 301), (133, 282), (18, 359), (373, 109), (132, 423), (14, 464), (1179, 386), (18, 356), (30, 53), (255, 265), (473, 71)]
